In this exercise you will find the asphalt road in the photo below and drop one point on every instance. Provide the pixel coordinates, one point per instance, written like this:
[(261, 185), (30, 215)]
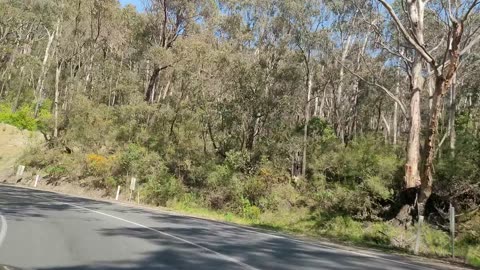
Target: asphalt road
[(44, 230)]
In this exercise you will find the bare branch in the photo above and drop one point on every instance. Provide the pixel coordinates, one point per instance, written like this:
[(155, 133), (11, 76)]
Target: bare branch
[(450, 14), (462, 53), (475, 3), (388, 92), (391, 51), (404, 31), (380, 41), (438, 45), (470, 45)]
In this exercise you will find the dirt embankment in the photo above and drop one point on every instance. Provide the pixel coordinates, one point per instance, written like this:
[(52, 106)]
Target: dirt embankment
[(13, 142)]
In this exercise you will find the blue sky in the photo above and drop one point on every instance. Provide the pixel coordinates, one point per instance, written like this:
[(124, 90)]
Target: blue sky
[(137, 3)]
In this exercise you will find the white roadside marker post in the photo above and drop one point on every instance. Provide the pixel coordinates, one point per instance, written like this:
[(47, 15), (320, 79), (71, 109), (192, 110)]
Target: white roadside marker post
[(37, 178), (20, 170), (133, 182), (452, 228), (118, 193)]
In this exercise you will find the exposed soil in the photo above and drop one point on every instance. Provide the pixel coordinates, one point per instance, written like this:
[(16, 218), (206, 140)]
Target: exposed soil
[(13, 142)]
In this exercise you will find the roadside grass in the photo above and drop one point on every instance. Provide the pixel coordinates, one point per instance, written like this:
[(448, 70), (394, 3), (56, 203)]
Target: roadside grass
[(344, 230)]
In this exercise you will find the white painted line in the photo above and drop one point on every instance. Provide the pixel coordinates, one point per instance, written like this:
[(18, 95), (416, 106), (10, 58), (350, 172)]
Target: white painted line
[(170, 213), (327, 247), (223, 256), (3, 229), (417, 266), (324, 246)]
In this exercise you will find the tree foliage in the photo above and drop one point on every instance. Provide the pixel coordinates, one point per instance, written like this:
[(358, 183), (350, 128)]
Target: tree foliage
[(249, 107)]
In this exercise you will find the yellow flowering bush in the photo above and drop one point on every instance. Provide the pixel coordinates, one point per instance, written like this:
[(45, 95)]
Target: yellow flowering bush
[(99, 165)]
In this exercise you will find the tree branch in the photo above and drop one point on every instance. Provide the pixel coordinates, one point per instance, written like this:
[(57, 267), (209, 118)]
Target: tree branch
[(470, 45), (408, 37), (465, 17), (388, 92)]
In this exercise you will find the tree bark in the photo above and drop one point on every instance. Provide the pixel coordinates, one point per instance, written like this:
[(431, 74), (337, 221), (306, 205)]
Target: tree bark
[(416, 11), (430, 144), (443, 83), (339, 94), (43, 72), (451, 116), (307, 120), (166, 89), (395, 108), (430, 87), (151, 83), (19, 91), (252, 131), (412, 176), (58, 71)]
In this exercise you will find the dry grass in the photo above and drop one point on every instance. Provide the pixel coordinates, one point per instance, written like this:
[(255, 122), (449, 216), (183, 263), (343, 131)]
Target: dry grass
[(12, 144)]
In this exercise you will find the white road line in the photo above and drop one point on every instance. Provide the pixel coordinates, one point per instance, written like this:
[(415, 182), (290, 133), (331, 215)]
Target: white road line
[(3, 229), (199, 218), (361, 254), (223, 256), (330, 248)]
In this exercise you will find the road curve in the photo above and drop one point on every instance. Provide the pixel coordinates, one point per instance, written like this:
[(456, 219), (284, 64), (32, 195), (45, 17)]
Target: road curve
[(45, 230)]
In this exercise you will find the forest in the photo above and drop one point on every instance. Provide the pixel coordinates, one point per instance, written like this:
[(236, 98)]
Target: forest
[(356, 120)]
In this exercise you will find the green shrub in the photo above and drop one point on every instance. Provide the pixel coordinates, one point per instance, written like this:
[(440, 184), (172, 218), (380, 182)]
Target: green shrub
[(250, 211), (221, 175), (435, 241), (56, 171), (23, 118), (111, 182), (160, 190), (228, 217), (343, 228), (255, 188), (473, 255), (131, 158), (238, 160), (354, 180), (378, 233), (282, 197)]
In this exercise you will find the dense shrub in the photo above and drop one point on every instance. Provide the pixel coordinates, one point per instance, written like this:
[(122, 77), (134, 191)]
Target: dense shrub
[(99, 165), (23, 117), (160, 190), (357, 179)]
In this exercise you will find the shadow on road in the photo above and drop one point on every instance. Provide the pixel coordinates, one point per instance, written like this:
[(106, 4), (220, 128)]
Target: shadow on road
[(180, 242)]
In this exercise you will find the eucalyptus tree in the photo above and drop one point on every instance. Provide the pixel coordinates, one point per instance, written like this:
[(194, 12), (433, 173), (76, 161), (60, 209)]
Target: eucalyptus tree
[(454, 17), (308, 23), (167, 20)]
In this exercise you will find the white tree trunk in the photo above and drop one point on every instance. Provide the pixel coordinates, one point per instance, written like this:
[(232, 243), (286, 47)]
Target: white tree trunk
[(395, 108), (416, 11), (43, 72), (451, 116), (305, 129), (57, 91), (339, 94)]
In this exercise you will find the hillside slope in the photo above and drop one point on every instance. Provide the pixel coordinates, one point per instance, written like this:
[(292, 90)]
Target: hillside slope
[(13, 142)]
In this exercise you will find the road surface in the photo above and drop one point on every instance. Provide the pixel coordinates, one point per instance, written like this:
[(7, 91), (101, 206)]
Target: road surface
[(44, 230)]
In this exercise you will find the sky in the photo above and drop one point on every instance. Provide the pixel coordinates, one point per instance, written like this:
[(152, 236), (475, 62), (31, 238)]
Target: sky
[(137, 3)]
